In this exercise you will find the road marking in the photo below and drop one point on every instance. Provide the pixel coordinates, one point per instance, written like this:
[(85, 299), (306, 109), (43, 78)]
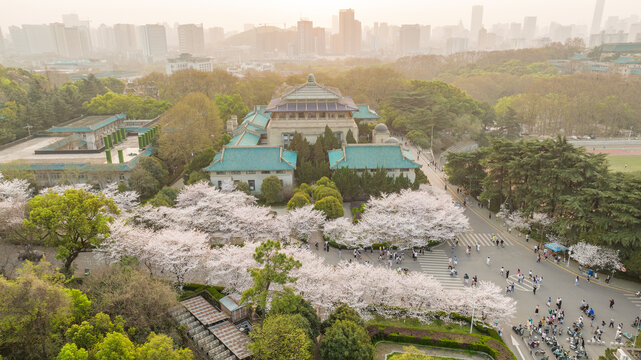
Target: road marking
[(634, 299), (471, 238), (502, 231), (435, 263), (517, 345), (526, 285)]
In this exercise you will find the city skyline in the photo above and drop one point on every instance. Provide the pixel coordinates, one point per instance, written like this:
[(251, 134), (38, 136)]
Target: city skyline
[(233, 16)]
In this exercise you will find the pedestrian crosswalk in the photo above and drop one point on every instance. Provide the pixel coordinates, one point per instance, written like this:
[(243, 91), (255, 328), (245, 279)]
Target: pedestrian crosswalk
[(435, 263), (470, 239), (526, 285), (635, 300)]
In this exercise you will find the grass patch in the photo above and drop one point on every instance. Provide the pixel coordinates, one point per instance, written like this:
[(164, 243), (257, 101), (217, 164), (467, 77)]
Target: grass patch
[(436, 325), (397, 355), (618, 162)]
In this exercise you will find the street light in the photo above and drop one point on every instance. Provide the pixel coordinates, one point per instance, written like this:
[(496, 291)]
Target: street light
[(472, 321)]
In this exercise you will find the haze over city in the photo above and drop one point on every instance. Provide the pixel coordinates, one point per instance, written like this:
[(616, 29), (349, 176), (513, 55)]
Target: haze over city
[(232, 15)]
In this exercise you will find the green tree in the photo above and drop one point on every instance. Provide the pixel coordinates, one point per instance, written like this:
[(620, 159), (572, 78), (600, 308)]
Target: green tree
[(419, 179), (142, 302), (350, 137), (280, 339), (161, 347), (189, 127), (115, 346), (323, 191), (287, 302), (72, 352), (319, 154), (135, 106), (275, 269), (229, 105), (330, 206), (34, 309), (89, 333), (73, 222), (342, 312), (242, 186), (114, 85), (299, 199), (465, 170), (197, 176), (329, 140), (302, 147), (348, 182), (165, 197), (346, 340), (271, 189), (148, 176)]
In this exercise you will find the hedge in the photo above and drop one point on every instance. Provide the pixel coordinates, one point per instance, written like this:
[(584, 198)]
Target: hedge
[(191, 289), (486, 344)]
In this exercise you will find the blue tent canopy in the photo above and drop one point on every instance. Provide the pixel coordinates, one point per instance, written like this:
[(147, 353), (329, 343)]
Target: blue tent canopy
[(556, 247)]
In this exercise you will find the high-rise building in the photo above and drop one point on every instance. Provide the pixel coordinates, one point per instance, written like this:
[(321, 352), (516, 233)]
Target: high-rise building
[(19, 40), (125, 38), (319, 40), (515, 30), (105, 38), (477, 22), (529, 27), (215, 35), (426, 35), (71, 20), (598, 17), (349, 33), (305, 37), (39, 39), (153, 38), (191, 39), (410, 39)]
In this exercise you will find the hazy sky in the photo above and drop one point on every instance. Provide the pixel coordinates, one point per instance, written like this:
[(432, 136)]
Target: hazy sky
[(232, 14)]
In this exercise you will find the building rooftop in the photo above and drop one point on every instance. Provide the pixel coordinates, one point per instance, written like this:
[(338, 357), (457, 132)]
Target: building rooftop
[(311, 96), (231, 302), (253, 158), (87, 123), (23, 154), (364, 112), (622, 47), (205, 312), (232, 338), (371, 156)]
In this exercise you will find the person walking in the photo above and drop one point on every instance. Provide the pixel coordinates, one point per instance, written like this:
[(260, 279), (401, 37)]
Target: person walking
[(488, 261), (611, 303), (536, 310), (576, 281), (611, 323), (502, 270), (534, 289), (478, 247), (549, 301), (507, 274)]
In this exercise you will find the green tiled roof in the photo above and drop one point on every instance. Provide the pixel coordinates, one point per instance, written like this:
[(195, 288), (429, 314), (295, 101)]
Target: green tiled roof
[(364, 112), (81, 167), (253, 158), (622, 47), (244, 139), (88, 123), (311, 91), (257, 117), (367, 156)]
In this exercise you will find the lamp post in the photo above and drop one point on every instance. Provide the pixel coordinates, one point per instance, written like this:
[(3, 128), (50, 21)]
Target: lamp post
[(472, 321)]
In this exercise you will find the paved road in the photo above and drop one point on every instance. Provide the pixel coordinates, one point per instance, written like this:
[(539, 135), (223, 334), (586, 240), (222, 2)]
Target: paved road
[(558, 279)]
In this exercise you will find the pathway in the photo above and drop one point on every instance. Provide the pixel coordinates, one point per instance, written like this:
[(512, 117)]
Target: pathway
[(383, 349)]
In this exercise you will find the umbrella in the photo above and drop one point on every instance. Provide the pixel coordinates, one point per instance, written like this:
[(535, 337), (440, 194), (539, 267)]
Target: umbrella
[(556, 247)]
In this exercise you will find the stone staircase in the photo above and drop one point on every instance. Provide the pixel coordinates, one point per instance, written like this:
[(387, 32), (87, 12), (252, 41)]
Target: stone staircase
[(201, 336)]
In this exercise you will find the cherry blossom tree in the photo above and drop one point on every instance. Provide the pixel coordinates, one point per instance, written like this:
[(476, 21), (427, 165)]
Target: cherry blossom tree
[(14, 195), (361, 286), (411, 218), (125, 200), (301, 222), (170, 250), (595, 256), (341, 231), (513, 219)]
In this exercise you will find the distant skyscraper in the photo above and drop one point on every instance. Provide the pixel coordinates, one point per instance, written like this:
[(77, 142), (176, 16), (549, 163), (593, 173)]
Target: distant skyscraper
[(19, 40), (349, 31), (529, 27), (305, 37), (215, 35), (191, 39), (335, 26), (477, 22), (125, 38), (319, 40), (106, 40), (598, 16), (410, 39), (426, 35), (153, 39), (39, 39), (71, 20)]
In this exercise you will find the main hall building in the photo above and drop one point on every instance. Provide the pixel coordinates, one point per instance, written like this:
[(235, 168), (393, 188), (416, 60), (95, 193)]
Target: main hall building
[(257, 149)]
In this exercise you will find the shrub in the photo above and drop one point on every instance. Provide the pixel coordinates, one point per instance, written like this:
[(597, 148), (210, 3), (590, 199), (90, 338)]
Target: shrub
[(271, 189), (323, 191), (346, 340), (299, 199), (330, 206)]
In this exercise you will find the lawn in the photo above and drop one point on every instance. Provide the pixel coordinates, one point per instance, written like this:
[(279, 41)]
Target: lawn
[(396, 355), (436, 325), (618, 162)]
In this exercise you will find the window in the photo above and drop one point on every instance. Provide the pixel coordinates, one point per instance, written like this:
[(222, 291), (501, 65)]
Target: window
[(252, 185), (220, 173), (301, 115), (250, 172), (405, 170), (265, 172), (235, 172), (280, 171)]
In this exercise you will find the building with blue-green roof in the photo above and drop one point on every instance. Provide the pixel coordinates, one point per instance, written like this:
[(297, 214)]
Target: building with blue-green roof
[(370, 157), (252, 164)]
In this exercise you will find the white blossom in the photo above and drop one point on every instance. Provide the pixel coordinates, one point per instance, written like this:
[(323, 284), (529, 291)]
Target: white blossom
[(513, 219), (14, 195), (301, 222), (125, 200), (595, 256)]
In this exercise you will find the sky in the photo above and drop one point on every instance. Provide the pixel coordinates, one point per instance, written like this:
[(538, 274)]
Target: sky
[(233, 14)]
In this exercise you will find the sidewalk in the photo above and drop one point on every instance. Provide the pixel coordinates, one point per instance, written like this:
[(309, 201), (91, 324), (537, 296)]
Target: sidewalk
[(622, 285)]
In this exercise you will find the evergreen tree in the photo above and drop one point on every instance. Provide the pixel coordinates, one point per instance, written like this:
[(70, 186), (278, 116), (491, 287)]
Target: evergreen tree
[(319, 154), (330, 141), (350, 137)]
